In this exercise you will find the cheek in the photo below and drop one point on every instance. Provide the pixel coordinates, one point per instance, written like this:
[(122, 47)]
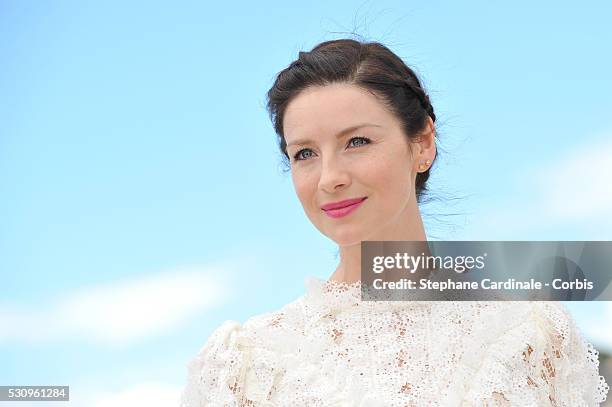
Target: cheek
[(304, 188), (390, 175)]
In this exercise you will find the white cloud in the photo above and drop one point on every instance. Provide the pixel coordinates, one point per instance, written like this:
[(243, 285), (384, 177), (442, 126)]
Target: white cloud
[(147, 394), (571, 191), (594, 320), (118, 313), (577, 186)]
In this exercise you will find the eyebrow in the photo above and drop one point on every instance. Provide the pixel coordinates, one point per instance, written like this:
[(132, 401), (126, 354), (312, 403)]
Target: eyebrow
[(301, 142)]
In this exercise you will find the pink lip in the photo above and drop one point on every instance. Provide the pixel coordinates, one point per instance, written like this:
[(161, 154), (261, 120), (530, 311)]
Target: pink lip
[(342, 208), (341, 204)]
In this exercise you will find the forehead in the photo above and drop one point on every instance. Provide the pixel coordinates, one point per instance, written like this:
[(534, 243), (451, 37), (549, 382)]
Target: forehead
[(331, 108)]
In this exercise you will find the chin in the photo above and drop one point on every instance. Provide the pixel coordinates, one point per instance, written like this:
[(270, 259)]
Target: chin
[(348, 237)]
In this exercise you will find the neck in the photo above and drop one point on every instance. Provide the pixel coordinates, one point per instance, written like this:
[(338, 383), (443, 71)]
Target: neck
[(409, 227)]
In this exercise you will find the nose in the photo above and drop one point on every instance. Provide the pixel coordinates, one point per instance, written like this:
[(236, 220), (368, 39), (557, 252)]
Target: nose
[(334, 176)]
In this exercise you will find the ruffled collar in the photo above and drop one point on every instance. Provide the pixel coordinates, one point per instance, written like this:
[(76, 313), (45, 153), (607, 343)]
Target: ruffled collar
[(316, 286), (323, 298), (330, 295)]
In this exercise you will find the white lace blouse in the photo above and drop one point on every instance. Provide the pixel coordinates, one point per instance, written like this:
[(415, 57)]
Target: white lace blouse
[(330, 348)]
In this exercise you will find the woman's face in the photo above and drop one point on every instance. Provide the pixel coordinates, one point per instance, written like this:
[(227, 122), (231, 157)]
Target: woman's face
[(329, 164)]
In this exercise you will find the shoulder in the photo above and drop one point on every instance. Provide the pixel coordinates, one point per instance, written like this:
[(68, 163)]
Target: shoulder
[(290, 312), (212, 375), (533, 353), (228, 368)]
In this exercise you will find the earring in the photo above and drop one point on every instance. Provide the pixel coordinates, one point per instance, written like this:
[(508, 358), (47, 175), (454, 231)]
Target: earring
[(423, 166)]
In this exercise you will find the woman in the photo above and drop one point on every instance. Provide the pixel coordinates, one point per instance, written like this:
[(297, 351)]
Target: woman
[(358, 131)]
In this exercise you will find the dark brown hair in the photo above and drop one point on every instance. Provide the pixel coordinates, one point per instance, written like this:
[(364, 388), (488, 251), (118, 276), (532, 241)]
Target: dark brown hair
[(369, 65)]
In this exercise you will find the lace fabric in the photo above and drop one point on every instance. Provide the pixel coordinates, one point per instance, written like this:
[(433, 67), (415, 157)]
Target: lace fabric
[(330, 348)]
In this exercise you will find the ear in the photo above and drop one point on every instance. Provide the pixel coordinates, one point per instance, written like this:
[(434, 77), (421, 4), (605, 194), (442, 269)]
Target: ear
[(425, 147)]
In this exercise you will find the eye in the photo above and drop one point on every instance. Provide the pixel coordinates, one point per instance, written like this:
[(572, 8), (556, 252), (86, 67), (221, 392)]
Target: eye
[(298, 157), (365, 139)]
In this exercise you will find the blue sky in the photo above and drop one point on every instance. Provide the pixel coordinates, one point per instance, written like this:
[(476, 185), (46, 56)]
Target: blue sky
[(133, 133)]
